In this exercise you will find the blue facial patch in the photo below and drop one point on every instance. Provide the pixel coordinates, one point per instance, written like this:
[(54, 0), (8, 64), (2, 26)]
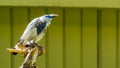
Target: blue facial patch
[(40, 27), (50, 16)]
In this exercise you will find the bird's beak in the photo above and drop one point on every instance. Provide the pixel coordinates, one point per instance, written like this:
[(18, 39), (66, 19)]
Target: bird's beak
[(55, 15)]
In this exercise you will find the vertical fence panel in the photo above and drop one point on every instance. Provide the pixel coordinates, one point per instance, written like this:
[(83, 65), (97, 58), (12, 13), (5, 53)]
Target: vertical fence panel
[(72, 38), (55, 40), (108, 39), (118, 38), (89, 38), (37, 12), (118, 54), (5, 58), (19, 16)]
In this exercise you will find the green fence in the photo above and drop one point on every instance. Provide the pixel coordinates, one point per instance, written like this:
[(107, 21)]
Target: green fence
[(77, 38)]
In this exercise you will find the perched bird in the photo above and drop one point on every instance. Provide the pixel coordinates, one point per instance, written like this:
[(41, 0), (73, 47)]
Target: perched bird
[(35, 30)]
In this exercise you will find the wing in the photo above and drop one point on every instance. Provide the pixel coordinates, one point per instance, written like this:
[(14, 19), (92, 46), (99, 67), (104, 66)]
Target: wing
[(30, 31)]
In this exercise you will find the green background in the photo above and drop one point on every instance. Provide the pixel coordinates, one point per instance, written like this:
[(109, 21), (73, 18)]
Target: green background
[(77, 38), (63, 3)]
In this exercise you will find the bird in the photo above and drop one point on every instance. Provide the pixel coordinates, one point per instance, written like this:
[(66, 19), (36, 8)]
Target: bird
[(35, 30)]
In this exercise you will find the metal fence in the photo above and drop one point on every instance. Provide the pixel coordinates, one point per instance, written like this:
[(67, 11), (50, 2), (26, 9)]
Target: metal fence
[(77, 38)]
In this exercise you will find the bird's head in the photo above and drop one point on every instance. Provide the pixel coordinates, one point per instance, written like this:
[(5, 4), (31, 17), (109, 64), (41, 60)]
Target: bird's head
[(48, 17)]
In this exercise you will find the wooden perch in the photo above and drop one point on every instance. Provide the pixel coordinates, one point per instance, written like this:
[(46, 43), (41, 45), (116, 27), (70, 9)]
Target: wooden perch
[(31, 53), (30, 59), (15, 51)]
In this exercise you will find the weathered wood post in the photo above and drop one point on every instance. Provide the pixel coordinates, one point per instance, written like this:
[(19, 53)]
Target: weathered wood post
[(31, 53)]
